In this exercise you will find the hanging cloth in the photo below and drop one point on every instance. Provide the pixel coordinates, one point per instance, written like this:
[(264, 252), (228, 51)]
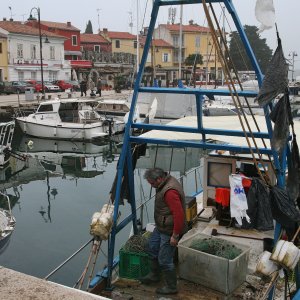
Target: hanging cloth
[(238, 200), (265, 14), (281, 115), (293, 171), (276, 78)]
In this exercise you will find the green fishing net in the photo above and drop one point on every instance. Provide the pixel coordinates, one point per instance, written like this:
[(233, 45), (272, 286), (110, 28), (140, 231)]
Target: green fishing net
[(216, 247), (136, 243)]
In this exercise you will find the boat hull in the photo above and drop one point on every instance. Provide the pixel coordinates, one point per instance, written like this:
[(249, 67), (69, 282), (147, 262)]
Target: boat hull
[(67, 131)]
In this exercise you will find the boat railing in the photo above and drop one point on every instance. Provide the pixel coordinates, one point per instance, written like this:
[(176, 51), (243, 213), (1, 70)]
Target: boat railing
[(8, 202), (19, 113), (187, 177), (6, 133)]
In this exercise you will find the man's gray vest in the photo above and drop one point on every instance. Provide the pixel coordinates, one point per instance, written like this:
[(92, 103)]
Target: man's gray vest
[(162, 214)]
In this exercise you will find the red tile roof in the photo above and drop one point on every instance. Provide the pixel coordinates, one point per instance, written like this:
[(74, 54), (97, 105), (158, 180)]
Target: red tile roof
[(58, 25), (92, 38), (18, 27), (118, 35), (186, 28), (156, 43)]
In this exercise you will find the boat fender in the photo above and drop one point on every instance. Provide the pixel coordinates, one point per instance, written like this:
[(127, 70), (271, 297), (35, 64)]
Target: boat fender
[(266, 266), (102, 222)]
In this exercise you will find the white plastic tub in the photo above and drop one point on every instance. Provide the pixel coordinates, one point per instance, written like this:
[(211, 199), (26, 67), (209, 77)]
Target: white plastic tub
[(214, 272)]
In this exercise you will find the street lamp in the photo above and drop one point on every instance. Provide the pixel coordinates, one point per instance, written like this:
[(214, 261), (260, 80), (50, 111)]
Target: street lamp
[(32, 18), (293, 54)]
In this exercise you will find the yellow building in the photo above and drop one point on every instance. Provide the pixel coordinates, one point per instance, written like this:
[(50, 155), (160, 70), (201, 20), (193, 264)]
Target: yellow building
[(195, 40), (121, 42), (3, 58)]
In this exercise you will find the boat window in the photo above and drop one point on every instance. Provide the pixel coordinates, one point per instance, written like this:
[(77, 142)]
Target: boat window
[(45, 107)]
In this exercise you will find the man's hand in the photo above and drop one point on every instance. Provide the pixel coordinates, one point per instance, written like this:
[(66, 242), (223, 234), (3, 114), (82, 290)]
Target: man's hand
[(174, 241)]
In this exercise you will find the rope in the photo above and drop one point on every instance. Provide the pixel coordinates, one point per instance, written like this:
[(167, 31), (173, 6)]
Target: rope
[(227, 53), (236, 101)]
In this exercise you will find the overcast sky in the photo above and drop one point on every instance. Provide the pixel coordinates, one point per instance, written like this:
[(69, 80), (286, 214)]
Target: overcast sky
[(116, 15)]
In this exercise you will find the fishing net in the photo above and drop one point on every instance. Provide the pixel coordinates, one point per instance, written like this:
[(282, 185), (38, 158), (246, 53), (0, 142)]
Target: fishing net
[(276, 78), (216, 247), (136, 243)]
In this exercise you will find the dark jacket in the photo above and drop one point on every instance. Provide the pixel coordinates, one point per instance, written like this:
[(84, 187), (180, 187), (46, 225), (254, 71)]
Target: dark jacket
[(162, 214)]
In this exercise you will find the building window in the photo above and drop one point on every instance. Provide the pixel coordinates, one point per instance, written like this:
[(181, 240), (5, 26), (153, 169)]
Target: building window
[(52, 75), (97, 48), (33, 75), (52, 52), (19, 50), (134, 44), (0, 47), (165, 57), (74, 40), (33, 51), (197, 41), (117, 43), (175, 40), (21, 76)]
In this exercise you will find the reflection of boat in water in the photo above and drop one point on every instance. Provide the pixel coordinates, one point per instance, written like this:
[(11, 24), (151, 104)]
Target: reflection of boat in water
[(7, 224), (67, 157), (70, 119), (6, 136), (31, 144)]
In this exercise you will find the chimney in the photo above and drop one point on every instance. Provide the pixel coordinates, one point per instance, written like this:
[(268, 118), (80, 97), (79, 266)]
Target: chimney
[(105, 30), (69, 24), (11, 19), (4, 19), (191, 22)]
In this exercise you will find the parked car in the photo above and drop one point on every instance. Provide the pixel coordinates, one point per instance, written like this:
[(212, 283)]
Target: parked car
[(75, 85), (19, 86), (33, 83), (6, 87), (49, 87), (63, 85)]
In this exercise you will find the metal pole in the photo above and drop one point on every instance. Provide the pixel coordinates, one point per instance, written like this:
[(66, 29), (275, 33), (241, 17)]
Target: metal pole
[(137, 38), (69, 258), (41, 52), (180, 42)]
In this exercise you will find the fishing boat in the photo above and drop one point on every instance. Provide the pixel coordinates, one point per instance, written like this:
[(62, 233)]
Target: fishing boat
[(7, 224), (6, 136), (243, 148), (68, 119)]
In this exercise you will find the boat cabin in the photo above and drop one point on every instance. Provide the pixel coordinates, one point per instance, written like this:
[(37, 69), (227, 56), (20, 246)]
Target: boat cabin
[(71, 111)]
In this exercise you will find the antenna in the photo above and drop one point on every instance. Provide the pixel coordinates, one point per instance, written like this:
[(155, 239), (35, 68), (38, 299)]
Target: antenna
[(11, 14), (172, 15), (130, 21), (23, 15), (98, 10)]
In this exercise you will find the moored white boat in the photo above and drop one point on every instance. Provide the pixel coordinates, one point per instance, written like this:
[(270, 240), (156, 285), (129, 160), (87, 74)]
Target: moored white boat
[(68, 119)]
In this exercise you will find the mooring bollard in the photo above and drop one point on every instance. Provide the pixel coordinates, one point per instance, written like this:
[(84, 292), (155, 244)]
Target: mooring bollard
[(49, 97)]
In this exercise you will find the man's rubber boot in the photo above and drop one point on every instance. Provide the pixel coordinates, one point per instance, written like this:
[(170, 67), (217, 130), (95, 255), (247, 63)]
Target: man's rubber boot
[(171, 283), (154, 275)]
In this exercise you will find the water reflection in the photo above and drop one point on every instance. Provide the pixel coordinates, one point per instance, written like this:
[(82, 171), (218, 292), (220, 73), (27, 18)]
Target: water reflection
[(57, 190)]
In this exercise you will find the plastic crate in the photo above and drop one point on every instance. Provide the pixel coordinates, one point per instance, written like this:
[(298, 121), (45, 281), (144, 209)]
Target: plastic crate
[(133, 265)]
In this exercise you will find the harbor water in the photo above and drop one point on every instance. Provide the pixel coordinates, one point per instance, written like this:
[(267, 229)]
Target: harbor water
[(55, 192)]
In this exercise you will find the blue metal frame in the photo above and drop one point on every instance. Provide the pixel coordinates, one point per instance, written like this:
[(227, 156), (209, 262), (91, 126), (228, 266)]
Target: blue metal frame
[(126, 155)]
